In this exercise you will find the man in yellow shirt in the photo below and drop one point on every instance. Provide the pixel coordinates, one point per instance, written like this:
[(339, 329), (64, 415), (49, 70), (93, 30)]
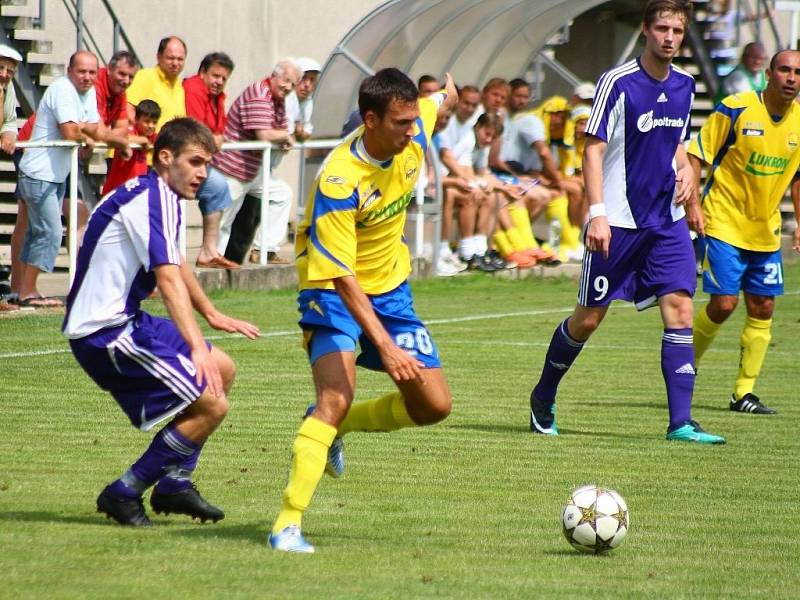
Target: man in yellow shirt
[(750, 143), (162, 83), (353, 264)]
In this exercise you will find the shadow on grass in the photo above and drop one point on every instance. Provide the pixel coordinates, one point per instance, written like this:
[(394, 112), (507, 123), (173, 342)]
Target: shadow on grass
[(255, 532), (498, 428), (623, 404), (486, 427), (576, 554), (49, 517)]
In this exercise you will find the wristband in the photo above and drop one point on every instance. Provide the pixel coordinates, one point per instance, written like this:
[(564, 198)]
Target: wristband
[(597, 210)]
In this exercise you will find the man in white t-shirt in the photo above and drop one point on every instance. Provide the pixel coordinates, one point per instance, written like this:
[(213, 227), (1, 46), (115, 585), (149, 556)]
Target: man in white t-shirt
[(68, 111)]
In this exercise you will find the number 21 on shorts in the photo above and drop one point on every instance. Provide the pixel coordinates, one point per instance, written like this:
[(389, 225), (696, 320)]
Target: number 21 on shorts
[(774, 274)]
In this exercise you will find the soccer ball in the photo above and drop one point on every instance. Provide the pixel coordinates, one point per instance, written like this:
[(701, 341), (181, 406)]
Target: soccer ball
[(595, 520)]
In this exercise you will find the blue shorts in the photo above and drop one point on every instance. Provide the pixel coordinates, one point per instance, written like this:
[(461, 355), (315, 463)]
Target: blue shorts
[(145, 365), (642, 266), (328, 327), (506, 177), (728, 269)]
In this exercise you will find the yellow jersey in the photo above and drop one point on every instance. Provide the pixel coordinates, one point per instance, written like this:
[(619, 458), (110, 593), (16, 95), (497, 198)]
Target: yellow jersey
[(753, 159), (356, 213)]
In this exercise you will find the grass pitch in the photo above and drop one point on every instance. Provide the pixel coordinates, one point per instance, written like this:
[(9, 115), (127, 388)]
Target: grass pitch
[(468, 508)]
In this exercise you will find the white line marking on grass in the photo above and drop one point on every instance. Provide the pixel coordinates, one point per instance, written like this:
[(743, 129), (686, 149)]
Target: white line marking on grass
[(293, 332)]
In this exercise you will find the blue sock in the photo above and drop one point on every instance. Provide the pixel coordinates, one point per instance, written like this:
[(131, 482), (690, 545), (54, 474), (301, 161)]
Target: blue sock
[(561, 354), (168, 451), (677, 365)]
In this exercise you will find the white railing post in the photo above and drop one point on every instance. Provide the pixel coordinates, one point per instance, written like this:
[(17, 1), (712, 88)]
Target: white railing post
[(265, 177), (72, 230)]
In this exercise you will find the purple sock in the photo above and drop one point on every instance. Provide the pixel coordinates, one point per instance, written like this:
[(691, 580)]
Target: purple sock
[(561, 354), (168, 451), (179, 477), (677, 365)]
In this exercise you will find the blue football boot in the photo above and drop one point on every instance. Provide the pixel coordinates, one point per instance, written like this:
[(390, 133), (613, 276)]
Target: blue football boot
[(691, 431)]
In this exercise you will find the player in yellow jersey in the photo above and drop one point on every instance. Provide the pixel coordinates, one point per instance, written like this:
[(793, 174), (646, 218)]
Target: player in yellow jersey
[(353, 265), (751, 144)]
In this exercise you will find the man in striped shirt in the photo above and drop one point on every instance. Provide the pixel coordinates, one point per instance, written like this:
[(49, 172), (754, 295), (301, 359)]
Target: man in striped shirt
[(258, 114), (158, 370), (638, 180)]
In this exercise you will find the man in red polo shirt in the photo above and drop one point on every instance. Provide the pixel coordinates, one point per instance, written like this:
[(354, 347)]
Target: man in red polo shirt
[(205, 101), (112, 81), (259, 113)]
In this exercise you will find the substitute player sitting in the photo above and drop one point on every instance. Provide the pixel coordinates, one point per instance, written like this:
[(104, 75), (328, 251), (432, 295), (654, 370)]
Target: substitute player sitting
[(751, 143), (158, 370), (353, 265)]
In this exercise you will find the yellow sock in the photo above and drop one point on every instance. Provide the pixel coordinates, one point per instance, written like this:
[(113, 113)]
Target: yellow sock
[(515, 239), (754, 343), (502, 243), (558, 209), (309, 455), (386, 413), (522, 223), (705, 330)]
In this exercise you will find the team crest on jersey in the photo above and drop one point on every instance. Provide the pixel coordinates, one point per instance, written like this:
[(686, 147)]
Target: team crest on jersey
[(410, 167), (792, 142)]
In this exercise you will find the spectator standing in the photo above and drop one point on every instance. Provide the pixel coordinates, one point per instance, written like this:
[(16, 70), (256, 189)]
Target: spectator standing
[(68, 111), (111, 88), (259, 113), (161, 83), (428, 85), (205, 101), (9, 59)]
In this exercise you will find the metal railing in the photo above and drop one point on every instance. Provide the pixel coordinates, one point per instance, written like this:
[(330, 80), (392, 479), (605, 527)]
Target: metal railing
[(75, 10), (266, 149)]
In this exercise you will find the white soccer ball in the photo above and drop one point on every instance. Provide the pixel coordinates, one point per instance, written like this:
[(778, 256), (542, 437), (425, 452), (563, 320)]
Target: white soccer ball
[(595, 520)]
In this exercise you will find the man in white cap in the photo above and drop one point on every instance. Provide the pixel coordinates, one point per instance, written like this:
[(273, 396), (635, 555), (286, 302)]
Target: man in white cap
[(583, 94), (299, 106), (9, 59)]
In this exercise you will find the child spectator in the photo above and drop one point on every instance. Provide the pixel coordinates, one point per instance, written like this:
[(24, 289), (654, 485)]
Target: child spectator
[(142, 132)]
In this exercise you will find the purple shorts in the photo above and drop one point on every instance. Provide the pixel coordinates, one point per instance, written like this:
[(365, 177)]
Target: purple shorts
[(145, 365), (642, 266)]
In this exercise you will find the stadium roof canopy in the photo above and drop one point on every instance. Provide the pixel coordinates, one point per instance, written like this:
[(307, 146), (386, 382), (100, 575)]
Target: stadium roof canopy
[(472, 39)]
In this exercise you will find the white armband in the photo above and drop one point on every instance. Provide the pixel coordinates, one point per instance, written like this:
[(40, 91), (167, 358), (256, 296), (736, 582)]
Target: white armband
[(597, 210)]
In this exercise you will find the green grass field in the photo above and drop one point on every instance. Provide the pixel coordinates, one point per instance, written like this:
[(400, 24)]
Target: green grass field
[(468, 508)]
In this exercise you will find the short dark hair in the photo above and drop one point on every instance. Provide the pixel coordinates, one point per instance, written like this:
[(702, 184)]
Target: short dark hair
[(162, 45), (378, 90), (215, 58), (148, 109), (775, 56), (179, 133), (518, 82), (682, 8), (468, 89), (492, 121), (124, 56), (426, 79)]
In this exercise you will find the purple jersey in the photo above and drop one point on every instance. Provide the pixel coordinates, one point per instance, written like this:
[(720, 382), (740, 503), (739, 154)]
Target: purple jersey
[(133, 230), (642, 120)]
